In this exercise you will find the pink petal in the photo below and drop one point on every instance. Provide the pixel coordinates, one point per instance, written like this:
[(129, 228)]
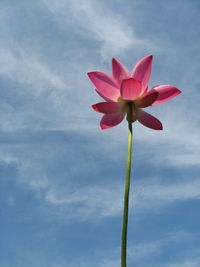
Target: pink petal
[(105, 85), (130, 89), (111, 120), (144, 91), (107, 107), (142, 70), (120, 72), (147, 99), (104, 97), (149, 121), (165, 92)]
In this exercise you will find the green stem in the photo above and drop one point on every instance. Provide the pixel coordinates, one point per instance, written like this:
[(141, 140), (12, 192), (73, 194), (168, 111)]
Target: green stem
[(127, 189)]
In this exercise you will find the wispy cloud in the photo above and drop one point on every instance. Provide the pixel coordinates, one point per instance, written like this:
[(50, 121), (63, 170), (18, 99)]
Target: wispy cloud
[(28, 70), (144, 251), (179, 140), (90, 202), (96, 21), (147, 249), (154, 195), (97, 202)]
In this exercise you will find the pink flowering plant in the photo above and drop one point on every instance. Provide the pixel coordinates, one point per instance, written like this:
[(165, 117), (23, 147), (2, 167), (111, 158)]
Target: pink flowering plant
[(126, 95)]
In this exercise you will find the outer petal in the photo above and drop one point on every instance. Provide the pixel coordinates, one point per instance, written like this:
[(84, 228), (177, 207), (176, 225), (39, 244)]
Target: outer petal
[(104, 97), (147, 99), (105, 85), (149, 121), (111, 120), (120, 72), (165, 92), (144, 91), (130, 89), (107, 107), (142, 70)]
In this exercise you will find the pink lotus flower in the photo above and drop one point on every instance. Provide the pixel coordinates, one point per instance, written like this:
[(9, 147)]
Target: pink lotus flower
[(123, 91)]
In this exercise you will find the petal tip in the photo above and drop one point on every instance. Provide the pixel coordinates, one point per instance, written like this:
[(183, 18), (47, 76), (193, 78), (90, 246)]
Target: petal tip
[(103, 126), (94, 107), (90, 73), (159, 126), (150, 57), (93, 73), (166, 92)]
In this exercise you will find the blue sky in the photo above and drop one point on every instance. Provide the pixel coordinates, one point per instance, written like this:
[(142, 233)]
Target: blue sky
[(61, 177)]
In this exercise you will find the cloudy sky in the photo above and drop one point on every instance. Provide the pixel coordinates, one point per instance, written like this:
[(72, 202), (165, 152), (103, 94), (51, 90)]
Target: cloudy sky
[(61, 176)]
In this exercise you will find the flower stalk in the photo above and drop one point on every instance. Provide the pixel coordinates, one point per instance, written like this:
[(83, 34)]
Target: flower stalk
[(127, 94), (127, 189)]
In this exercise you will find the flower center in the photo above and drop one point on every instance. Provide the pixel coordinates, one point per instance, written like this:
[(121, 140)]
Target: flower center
[(130, 105), (131, 109)]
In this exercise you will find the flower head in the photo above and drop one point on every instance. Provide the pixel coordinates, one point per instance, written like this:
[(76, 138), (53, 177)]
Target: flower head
[(127, 94)]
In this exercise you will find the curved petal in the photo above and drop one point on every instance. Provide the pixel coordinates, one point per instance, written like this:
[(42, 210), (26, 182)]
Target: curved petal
[(119, 71), (144, 91), (149, 121), (130, 89), (107, 107), (165, 92), (111, 120), (142, 70), (105, 85), (147, 99), (104, 97)]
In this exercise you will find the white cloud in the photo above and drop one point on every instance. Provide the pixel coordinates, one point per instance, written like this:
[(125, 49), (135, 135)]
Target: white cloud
[(107, 201), (178, 144), (147, 249), (95, 20), (89, 202), (141, 252), (149, 195), (28, 70)]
